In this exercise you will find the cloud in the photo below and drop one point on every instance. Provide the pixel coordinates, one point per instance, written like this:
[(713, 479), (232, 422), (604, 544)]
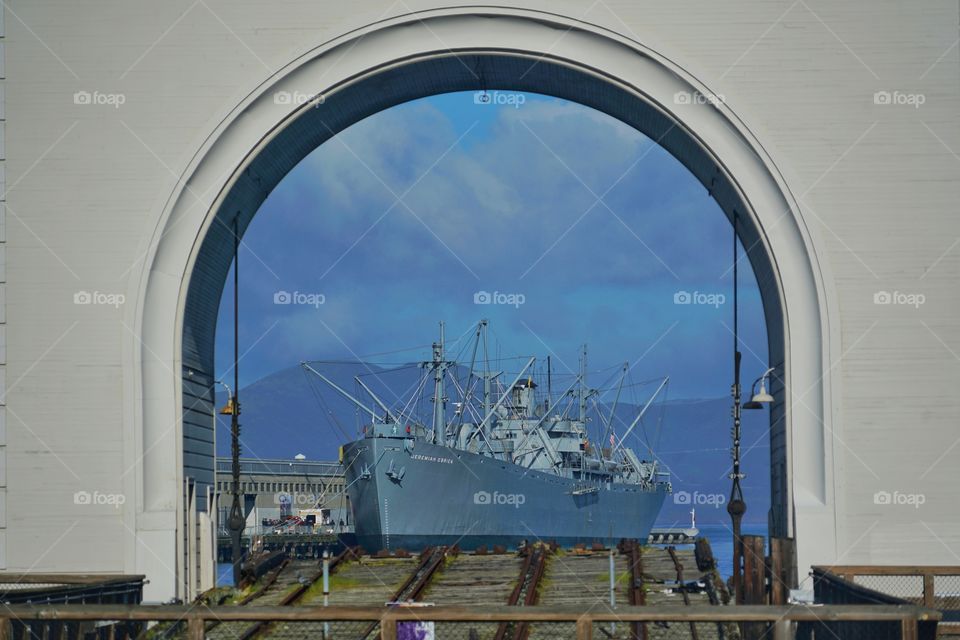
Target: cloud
[(511, 208)]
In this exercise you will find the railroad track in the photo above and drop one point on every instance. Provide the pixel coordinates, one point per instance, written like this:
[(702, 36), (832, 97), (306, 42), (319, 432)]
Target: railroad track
[(682, 588), (271, 577), (525, 593), (305, 583), (173, 630), (276, 591), (431, 559), (275, 584), (633, 552)]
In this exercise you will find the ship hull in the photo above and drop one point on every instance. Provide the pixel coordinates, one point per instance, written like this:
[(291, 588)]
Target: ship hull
[(411, 497)]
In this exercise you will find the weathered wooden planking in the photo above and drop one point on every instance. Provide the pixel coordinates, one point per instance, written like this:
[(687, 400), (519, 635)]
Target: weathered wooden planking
[(470, 579), (369, 581)]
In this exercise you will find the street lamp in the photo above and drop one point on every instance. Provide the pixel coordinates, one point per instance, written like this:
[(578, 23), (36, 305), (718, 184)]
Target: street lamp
[(736, 505), (761, 397)]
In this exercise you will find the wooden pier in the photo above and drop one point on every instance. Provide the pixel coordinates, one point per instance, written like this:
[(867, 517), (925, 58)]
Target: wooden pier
[(541, 576)]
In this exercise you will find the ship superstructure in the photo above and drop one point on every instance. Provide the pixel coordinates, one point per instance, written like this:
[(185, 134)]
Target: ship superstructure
[(502, 463)]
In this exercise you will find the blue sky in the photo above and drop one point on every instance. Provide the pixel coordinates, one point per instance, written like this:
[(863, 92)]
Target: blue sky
[(594, 225)]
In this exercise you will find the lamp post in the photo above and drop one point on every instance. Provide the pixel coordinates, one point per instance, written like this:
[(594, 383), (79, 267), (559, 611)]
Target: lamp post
[(736, 505), (235, 522)]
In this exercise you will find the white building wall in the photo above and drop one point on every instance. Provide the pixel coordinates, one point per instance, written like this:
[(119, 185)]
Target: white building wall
[(85, 183), (3, 296)]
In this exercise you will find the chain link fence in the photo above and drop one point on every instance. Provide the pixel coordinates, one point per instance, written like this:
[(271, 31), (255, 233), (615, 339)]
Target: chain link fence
[(668, 630), (933, 587), (330, 630), (946, 592), (909, 588)]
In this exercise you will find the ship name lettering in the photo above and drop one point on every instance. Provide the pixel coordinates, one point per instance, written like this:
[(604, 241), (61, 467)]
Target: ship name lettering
[(418, 456)]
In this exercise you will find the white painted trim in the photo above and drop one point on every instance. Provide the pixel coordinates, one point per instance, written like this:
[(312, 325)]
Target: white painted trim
[(160, 290)]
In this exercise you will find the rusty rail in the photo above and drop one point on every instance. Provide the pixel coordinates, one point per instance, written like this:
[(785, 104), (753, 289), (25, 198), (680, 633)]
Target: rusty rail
[(633, 551), (250, 597), (294, 596), (271, 578), (255, 568), (682, 587), (430, 560), (526, 591)]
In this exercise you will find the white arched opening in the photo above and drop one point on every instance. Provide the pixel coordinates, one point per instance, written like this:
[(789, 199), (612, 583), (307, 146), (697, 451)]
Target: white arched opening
[(387, 63)]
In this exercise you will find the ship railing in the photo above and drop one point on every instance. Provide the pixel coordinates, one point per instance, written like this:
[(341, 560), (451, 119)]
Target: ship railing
[(190, 622)]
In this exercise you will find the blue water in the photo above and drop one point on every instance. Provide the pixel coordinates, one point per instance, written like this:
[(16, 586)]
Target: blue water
[(721, 541)]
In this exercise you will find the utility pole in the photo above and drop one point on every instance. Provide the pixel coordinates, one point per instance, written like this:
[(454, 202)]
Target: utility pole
[(736, 506), (236, 521)]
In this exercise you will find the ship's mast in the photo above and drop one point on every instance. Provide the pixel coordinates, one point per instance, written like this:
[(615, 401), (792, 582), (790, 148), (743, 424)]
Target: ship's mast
[(487, 378), (487, 375), (468, 387), (613, 408), (583, 384), (439, 400), (546, 405)]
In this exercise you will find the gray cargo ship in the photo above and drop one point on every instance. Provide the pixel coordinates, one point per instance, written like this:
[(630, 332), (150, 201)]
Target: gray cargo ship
[(511, 464)]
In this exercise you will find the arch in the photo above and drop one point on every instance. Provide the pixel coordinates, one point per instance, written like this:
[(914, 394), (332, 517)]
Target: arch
[(380, 65)]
